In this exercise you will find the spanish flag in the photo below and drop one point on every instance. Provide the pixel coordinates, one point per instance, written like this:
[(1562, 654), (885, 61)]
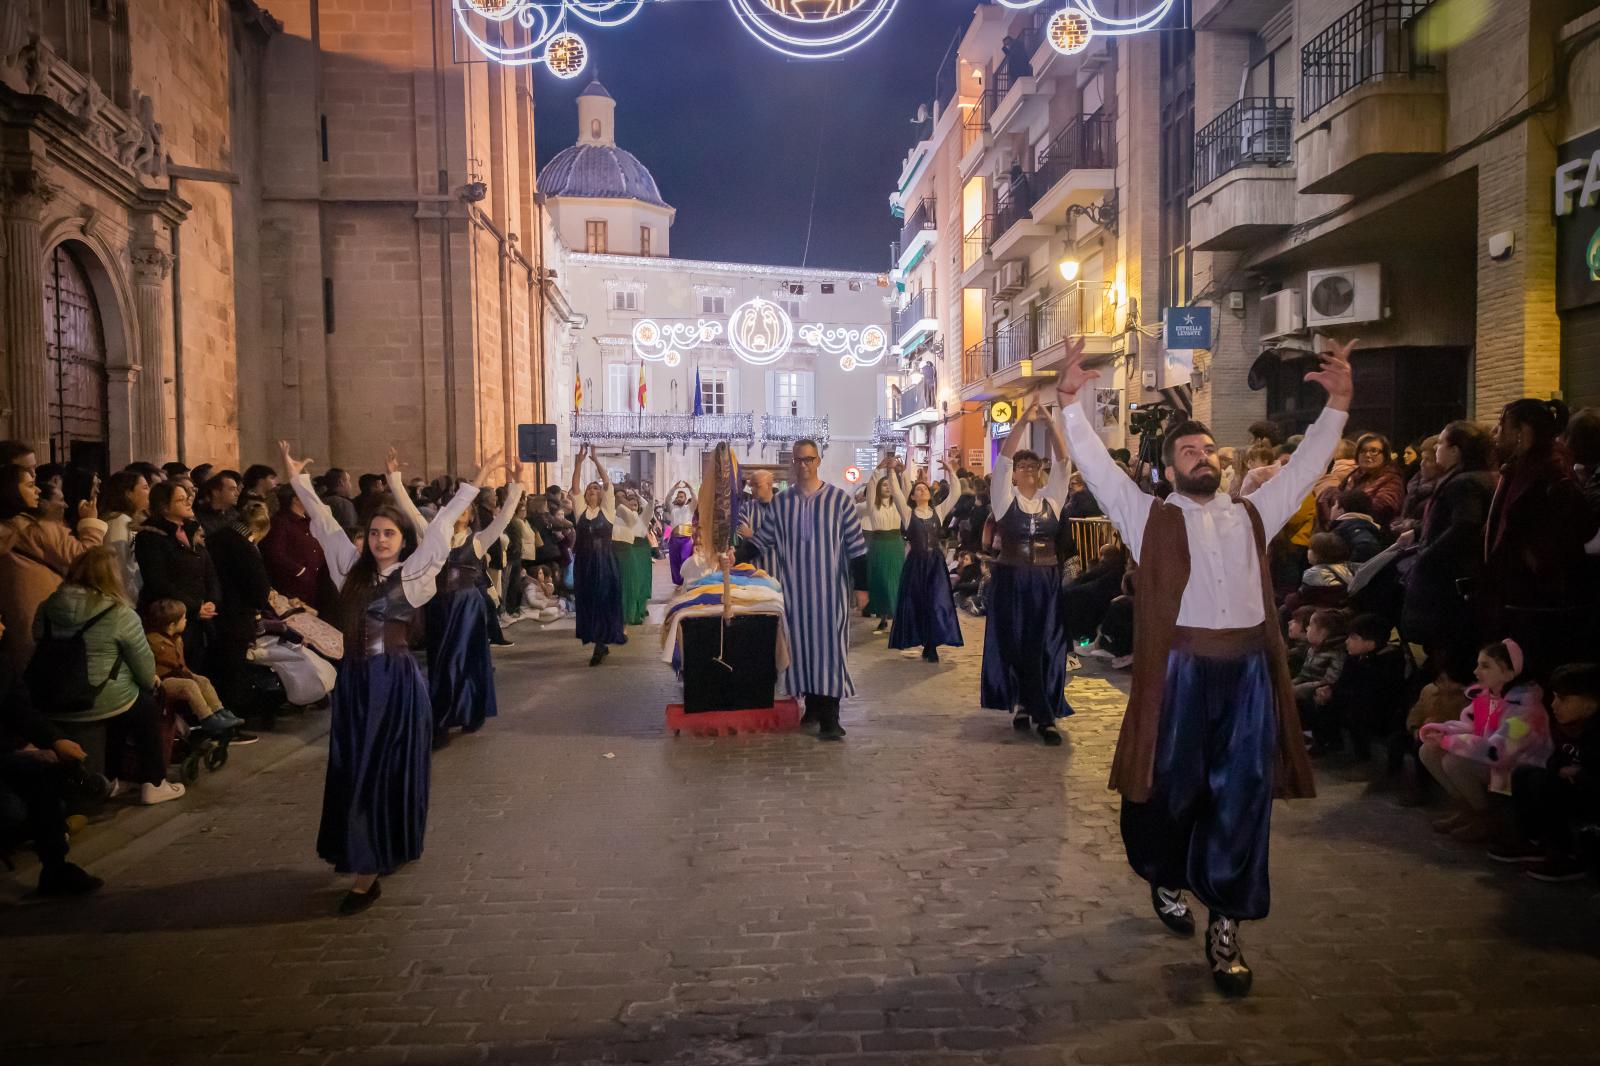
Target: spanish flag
[(577, 394), (643, 390)]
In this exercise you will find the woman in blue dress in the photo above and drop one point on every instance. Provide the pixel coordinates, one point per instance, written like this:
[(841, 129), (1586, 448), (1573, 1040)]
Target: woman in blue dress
[(460, 672), (375, 800), (925, 615), (596, 578), (1024, 643)]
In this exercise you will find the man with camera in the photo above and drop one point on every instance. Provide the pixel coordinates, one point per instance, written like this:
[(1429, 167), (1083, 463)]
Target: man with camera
[(1211, 731)]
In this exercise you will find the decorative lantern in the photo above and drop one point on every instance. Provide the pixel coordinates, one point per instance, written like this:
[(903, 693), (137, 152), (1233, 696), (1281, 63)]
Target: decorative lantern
[(1069, 31)]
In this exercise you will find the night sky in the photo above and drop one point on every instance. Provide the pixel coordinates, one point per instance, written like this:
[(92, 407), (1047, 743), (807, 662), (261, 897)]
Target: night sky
[(731, 129)]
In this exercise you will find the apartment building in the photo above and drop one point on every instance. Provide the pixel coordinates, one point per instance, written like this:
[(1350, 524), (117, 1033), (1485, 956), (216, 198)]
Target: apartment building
[(1388, 169)]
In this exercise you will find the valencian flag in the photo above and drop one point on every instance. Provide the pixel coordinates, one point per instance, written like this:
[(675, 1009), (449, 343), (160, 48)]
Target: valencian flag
[(643, 391), (577, 394)]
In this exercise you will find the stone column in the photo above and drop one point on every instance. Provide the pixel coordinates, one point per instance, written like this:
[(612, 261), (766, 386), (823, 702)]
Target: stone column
[(151, 266), (23, 195)]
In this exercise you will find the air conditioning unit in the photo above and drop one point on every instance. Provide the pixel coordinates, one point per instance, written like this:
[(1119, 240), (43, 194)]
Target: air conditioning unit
[(1281, 315), (1010, 278), (1344, 295)]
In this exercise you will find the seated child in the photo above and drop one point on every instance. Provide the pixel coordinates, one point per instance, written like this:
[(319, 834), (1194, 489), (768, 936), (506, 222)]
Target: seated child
[(1326, 581), (164, 623), (1325, 654), (1503, 728), (968, 586), (1439, 701), (1554, 801), (1353, 525), (1299, 646), (1369, 694), (539, 594)]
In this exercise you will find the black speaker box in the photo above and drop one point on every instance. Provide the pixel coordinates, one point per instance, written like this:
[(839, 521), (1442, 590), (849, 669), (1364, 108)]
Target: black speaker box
[(536, 443)]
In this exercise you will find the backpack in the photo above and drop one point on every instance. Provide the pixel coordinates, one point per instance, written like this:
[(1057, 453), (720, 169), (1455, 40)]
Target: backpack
[(58, 674)]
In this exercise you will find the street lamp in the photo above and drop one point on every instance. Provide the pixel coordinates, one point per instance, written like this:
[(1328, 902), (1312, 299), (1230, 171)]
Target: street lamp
[(1069, 269)]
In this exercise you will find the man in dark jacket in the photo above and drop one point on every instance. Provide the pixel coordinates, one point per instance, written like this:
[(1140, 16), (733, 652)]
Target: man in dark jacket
[(219, 501), (336, 493), (35, 760)]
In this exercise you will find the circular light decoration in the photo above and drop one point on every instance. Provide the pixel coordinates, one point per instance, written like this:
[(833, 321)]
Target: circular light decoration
[(760, 332), (497, 10), (673, 358), (566, 55), (813, 29), (847, 362), (1069, 31)]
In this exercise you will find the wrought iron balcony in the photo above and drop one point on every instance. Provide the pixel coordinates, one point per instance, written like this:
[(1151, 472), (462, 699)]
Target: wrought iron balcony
[(664, 428), (976, 242), (883, 432), (919, 220), (974, 124), (786, 429), (1088, 142), (1258, 131), (977, 362), (1374, 39), (923, 306), (1081, 309), (923, 396), (1012, 205)]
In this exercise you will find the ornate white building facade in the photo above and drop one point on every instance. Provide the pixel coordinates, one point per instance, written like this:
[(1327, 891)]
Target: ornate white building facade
[(665, 357)]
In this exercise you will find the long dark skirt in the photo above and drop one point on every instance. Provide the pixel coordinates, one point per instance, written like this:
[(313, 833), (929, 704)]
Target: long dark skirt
[(460, 672), (597, 588), (1209, 818), (1024, 646), (926, 613), (375, 801)]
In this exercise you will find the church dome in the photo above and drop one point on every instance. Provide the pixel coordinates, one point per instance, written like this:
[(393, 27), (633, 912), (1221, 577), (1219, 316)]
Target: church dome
[(603, 171)]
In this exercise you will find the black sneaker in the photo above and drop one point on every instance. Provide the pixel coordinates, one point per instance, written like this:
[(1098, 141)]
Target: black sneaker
[(66, 879), (1514, 851), (1050, 735), (1554, 871), (930, 655), (355, 902), (1228, 968), (1172, 909), (1021, 723), (502, 643)]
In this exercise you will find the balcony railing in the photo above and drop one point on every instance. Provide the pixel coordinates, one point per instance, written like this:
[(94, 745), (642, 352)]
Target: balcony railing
[(973, 123), (786, 429), (977, 362), (663, 428), (1013, 205), (921, 218), (1374, 39), (1079, 310), (1258, 131), (977, 241), (923, 304), (883, 432), (922, 396), (1088, 142)]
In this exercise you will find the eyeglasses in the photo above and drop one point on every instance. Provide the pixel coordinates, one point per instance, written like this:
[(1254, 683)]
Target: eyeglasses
[(808, 458)]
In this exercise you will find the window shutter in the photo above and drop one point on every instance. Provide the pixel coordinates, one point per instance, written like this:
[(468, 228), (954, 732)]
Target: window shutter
[(807, 393)]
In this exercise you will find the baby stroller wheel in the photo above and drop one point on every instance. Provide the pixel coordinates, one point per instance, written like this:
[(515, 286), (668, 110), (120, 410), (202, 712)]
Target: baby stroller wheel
[(217, 757), (190, 768)]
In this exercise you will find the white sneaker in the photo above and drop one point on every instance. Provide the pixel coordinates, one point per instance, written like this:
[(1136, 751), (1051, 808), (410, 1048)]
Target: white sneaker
[(1122, 662), (1097, 652), (150, 795), (119, 788)]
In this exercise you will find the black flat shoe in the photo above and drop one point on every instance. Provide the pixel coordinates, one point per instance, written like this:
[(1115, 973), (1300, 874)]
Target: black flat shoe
[(930, 655), (67, 879), (355, 902), (1228, 968), (1021, 723), (1050, 735), (831, 732), (1173, 911), (599, 656)]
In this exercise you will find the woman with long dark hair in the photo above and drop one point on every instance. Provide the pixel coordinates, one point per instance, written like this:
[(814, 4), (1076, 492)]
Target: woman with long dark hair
[(925, 610), (375, 801), (460, 671), (124, 504), (886, 544), (175, 564), (1534, 568), (34, 554), (596, 578)]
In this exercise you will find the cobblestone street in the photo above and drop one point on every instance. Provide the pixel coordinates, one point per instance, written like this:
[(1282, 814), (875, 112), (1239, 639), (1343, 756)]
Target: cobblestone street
[(937, 889)]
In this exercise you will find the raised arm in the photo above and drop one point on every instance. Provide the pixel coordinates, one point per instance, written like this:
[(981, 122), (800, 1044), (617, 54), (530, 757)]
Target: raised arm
[(1119, 497), (1056, 488), (502, 518), (1278, 500), (897, 492), (336, 544), (418, 572), (577, 471), (402, 498)]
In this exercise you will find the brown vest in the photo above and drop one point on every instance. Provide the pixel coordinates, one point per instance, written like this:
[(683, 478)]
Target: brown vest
[(1162, 576)]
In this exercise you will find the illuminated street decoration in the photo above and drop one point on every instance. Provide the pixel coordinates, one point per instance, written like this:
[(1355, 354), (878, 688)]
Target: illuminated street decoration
[(545, 33), (760, 332), (854, 347), (813, 29), (1069, 32), (1070, 29), (667, 341)]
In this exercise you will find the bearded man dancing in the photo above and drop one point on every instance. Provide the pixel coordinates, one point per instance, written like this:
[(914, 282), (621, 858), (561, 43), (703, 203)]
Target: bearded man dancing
[(1211, 732)]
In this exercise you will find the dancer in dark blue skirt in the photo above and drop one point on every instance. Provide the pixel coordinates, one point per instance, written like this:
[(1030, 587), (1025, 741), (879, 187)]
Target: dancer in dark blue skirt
[(375, 801), (596, 578), (1024, 644), (460, 672), (925, 615)]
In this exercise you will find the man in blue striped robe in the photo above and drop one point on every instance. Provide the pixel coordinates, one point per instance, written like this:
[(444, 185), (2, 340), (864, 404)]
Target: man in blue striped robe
[(810, 537)]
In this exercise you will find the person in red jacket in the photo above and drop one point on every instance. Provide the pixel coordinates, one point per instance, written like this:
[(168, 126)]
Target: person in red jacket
[(292, 556)]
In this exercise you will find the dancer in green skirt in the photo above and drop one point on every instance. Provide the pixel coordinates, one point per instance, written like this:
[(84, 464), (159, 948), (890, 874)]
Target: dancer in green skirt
[(631, 542), (886, 544)]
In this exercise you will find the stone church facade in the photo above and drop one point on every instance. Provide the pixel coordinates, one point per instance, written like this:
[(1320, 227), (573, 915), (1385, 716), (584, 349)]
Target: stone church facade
[(220, 226)]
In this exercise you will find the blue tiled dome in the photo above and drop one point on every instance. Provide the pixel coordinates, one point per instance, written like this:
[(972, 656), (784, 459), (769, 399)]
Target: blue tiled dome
[(599, 170)]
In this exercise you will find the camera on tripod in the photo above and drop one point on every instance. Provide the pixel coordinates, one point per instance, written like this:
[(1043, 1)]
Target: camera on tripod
[(1148, 419)]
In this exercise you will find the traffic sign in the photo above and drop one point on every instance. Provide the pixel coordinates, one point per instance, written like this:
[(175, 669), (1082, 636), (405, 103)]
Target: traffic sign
[(852, 474)]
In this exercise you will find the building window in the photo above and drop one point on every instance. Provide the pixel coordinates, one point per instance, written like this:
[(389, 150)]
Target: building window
[(790, 307), (618, 391), (791, 393), (644, 240), (624, 300), (1177, 165), (594, 235), (714, 397), (713, 305)]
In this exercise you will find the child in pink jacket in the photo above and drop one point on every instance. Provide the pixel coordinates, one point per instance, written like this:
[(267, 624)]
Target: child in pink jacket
[(1503, 727)]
